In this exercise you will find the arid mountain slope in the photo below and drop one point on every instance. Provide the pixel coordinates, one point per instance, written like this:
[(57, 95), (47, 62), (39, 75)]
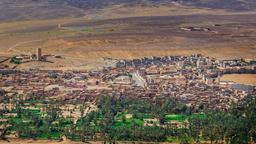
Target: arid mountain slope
[(11, 10)]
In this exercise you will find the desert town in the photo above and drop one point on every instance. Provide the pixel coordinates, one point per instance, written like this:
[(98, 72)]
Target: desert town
[(194, 80), (120, 71)]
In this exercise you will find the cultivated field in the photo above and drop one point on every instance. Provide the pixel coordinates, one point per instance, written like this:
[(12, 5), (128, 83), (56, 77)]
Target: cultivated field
[(20, 141)]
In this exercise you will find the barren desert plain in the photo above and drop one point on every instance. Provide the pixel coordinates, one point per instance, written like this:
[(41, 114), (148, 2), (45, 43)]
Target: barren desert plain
[(85, 41)]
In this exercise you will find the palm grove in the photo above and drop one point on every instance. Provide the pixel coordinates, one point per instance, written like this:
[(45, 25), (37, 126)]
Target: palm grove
[(126, 119)]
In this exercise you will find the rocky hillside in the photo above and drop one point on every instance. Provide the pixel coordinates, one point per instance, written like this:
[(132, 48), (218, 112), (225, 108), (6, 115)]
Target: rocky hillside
[(36, 9), (238, 5), (44, 9), (219, 4)]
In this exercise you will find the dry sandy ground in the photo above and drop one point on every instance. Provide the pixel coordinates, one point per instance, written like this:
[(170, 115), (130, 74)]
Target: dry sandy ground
[(240, 78), (85, 42), (121, 11)]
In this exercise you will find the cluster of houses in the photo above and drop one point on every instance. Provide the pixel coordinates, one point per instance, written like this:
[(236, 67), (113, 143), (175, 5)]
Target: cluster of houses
[(194, 80)]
